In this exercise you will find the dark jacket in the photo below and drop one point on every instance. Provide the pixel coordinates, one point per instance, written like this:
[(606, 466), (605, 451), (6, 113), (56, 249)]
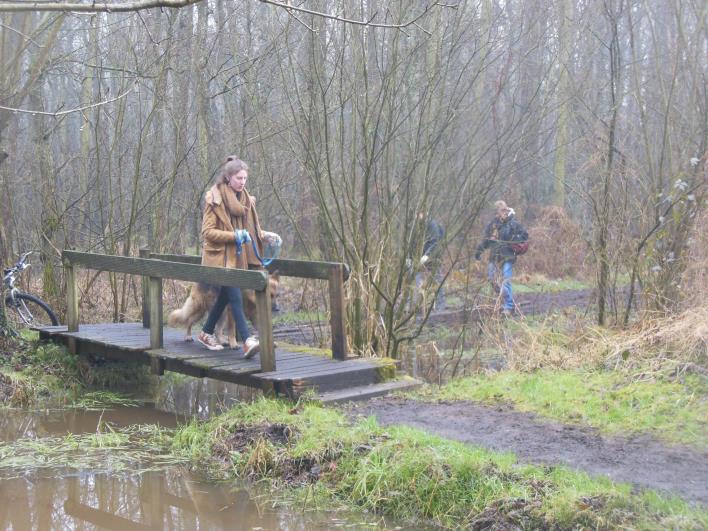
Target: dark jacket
[(498, 237), (433, 234)]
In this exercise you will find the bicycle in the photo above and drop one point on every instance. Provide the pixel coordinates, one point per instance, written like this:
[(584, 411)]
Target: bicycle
[(24, 309)]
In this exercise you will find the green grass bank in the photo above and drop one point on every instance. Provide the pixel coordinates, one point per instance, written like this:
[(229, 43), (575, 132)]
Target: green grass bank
[(320, 457)]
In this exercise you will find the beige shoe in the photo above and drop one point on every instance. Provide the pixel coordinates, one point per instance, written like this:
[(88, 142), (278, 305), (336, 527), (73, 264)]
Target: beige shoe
[(251, 347), (209, 341)]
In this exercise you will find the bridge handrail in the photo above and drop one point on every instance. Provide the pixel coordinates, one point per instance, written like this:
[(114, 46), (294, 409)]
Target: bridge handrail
[(156, 270), (284, 267), (177, 270), (335, 273)]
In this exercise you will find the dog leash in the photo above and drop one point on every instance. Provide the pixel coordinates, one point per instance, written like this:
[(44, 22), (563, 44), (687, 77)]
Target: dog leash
[(242, 236)]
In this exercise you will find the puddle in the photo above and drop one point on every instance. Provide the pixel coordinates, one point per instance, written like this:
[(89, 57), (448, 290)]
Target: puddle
[(203, 398), (172, 498)]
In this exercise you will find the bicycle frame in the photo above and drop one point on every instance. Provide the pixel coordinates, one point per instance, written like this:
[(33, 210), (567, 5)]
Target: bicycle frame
[(9, 277)]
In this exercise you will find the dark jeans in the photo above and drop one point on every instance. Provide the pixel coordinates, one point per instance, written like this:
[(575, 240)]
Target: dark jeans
[(231, 296)]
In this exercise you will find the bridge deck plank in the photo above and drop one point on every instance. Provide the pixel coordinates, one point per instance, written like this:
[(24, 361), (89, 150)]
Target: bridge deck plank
[(130, 341)]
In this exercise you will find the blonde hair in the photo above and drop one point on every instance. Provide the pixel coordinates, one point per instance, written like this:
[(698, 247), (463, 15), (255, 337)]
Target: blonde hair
[(500, 205), (232, 166)]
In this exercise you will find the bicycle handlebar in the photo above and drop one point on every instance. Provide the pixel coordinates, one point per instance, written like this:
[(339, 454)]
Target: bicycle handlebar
[(18, 267)]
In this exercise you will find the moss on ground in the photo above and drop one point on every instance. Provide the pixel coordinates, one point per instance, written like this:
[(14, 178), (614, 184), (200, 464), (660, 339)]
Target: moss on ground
[(320, 456)]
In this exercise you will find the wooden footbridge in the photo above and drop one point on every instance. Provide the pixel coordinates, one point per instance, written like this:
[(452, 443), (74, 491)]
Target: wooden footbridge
[(283, 370)]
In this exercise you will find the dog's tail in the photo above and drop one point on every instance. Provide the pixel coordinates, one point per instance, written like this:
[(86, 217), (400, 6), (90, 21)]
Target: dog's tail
[(181, 317)]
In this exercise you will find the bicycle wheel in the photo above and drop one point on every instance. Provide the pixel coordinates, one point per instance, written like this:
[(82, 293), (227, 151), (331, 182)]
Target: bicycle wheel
[(26, 310)]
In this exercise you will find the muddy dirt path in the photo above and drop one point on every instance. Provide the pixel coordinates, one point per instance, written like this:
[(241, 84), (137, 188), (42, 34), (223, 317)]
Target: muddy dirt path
[(639, 460), (530, 304)]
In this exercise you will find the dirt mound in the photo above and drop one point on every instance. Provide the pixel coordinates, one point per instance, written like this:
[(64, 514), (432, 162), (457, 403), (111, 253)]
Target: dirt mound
[(265, 445), (245, 437), (640, 460)]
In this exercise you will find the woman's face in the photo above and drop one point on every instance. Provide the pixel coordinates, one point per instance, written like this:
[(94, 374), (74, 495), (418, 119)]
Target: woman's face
[(238, 180)]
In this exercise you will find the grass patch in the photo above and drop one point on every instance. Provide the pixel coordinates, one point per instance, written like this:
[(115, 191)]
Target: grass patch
[(99, 400), (606, 400), (31, 371), (129, 450), (299, 317), (36, 373), (541, 284), (319, 456)]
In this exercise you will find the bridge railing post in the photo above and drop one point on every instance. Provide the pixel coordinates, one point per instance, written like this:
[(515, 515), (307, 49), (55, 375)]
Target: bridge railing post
[(155, 298), (265, 328), (72, 297), (336, 311), (145, 253)]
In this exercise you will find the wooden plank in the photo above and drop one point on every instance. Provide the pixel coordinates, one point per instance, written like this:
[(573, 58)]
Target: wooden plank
[(337, 312), (265, 329), (181, 356), (86, 348), (338, 372), (368, 391), (284, 267), (236, 376), (145, 253), (219, 276), (300, 268), (155, 288), (298, 372), (303, 361), (157, 366), (182, 258), (72, 298), (216, 361), (125, 348), (331, 382)]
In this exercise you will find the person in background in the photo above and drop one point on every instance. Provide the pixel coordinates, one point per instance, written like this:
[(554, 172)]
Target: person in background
[(501, 232), (430, 260)]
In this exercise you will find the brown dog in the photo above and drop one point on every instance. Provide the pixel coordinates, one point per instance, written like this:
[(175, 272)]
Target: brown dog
[(202, 297)]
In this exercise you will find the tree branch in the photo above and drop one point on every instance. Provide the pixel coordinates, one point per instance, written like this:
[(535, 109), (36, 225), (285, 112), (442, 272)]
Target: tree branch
[(92, 7), (61, 113), (368, 23)]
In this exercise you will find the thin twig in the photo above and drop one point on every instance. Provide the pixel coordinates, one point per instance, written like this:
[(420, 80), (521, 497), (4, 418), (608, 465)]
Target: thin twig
[(62, 113), (289, 7), (10, 28), (93, 7)]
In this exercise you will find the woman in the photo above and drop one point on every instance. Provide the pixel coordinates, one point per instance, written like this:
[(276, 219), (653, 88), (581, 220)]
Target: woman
[(229, 207)]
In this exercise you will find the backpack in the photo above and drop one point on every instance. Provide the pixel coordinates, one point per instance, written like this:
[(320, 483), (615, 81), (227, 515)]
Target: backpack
[(520, 240), (520, 248)]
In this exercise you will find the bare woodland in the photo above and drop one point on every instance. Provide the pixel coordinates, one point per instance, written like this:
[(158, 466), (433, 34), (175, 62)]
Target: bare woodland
[(354, 117)]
